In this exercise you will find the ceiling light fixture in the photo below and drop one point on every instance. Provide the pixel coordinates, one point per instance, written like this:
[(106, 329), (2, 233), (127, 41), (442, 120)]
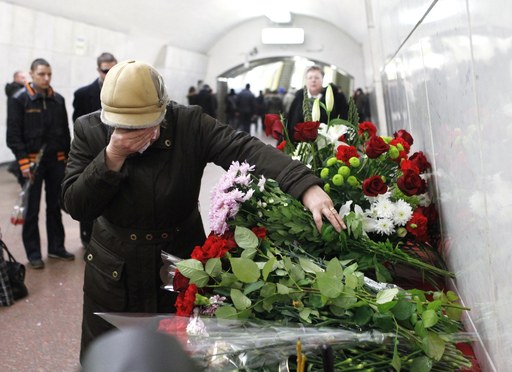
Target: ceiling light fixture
[(277, 35)]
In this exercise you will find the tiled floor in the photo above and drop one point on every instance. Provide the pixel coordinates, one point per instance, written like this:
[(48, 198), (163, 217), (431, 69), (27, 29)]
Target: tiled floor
[(42, 332)]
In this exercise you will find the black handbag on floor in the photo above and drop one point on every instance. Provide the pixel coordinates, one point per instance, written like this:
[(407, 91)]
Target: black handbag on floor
[(16, 274)]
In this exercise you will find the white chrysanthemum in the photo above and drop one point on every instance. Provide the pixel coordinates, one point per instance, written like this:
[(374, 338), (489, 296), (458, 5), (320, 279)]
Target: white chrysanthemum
[(384, 226), (371, 213), (384, 208), (402, 213), (261, 183)]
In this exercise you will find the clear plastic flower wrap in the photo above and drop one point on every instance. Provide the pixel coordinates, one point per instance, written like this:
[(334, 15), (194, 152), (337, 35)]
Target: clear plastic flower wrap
[(220, 345), (19, 210)]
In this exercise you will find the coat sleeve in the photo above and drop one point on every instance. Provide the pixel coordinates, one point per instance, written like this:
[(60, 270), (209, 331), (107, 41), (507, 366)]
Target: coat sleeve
[(88, 185), (15, 125), (221, 145)]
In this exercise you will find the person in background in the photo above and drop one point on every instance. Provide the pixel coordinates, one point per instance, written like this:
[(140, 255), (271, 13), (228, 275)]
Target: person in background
[(207, 100), (19, 79), (192, 96), (315, 89), (246, 108), (136, 168), (231, 109), (37, 130), (87, 100), (362, 104)]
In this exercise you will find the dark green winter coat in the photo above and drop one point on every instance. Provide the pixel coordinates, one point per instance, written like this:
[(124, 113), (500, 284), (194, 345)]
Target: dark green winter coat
[(151, 204)]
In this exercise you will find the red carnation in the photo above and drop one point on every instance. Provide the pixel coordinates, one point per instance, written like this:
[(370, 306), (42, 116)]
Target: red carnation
[(375, 147), (374, 186), (185, 302), (306, 132), (367, 127), (411, 183), (273, 125), (406, 165), (281, 146), (402, 133), (421, 161), (344, 153), (417, 226), (260, 232), (430, 212)]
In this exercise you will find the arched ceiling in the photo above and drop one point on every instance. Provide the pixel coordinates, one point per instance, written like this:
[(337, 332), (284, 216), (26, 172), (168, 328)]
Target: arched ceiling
[(195, 25)]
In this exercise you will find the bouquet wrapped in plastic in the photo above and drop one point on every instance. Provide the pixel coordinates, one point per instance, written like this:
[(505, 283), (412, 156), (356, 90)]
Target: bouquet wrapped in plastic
[(19, 211)]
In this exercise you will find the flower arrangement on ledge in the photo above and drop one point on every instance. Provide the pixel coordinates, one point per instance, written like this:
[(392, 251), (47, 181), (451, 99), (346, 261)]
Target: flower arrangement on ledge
[(248, 272), (378, 185), (265, 260)]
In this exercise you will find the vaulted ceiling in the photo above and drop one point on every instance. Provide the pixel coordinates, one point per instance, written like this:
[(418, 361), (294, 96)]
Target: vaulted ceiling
[(195, 25)]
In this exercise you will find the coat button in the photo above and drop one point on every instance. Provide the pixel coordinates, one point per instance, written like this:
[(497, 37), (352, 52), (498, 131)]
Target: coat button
[(165, 235), (89, 257), (149, 236), (133, 237), (114, 274), (167, 142)]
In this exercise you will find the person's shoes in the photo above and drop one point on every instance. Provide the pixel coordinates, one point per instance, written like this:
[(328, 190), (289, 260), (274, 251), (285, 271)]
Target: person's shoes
[(36, 264), (63, 255)]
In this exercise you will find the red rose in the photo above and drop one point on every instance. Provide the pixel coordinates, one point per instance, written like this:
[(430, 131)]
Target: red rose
[(281, 146), (417, 226), (367, 127), (260, 232), (179, 282), (344, 153), (430, 212), (421, 161), (402, 133), (185, 302), (374, 186), (306, 132), (376, 147), (273, 125), (411, 183)]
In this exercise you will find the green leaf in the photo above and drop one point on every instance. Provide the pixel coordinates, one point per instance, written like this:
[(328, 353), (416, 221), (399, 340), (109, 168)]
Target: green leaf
[(385, 307), (454, 313), (240, 300), (269, 267), (227, 279), (188, 267), (403, 310), (200, 279), (434, 305), (344, 301), (396, 363), (253, 287), (421, 364), (351, 280), (269, 289), (383, 275), (386, 295), (282, 289), (363, 315), (452, 296), (245, 270), (309, 266), (249, 253), (384, 322), (434, 346), (213, 267), (226, 312), (334, 267), (329, 285), (245, 238), (430, 318), (304, 314), (419, 329)]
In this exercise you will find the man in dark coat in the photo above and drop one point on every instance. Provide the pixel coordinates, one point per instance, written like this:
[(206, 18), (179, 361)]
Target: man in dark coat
[(136, 169), (38, 132), (314, 80), (87, 100), (246, 103)]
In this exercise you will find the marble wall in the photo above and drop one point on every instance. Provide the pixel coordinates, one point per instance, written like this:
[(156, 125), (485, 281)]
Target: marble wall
[(446, 72)]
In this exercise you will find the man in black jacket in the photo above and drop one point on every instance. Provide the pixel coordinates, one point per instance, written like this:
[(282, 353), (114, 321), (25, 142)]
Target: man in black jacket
[(38, 132), (87, 100)]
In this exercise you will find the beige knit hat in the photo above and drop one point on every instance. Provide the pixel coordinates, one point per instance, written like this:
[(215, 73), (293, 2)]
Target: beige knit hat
[(133, 96)]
